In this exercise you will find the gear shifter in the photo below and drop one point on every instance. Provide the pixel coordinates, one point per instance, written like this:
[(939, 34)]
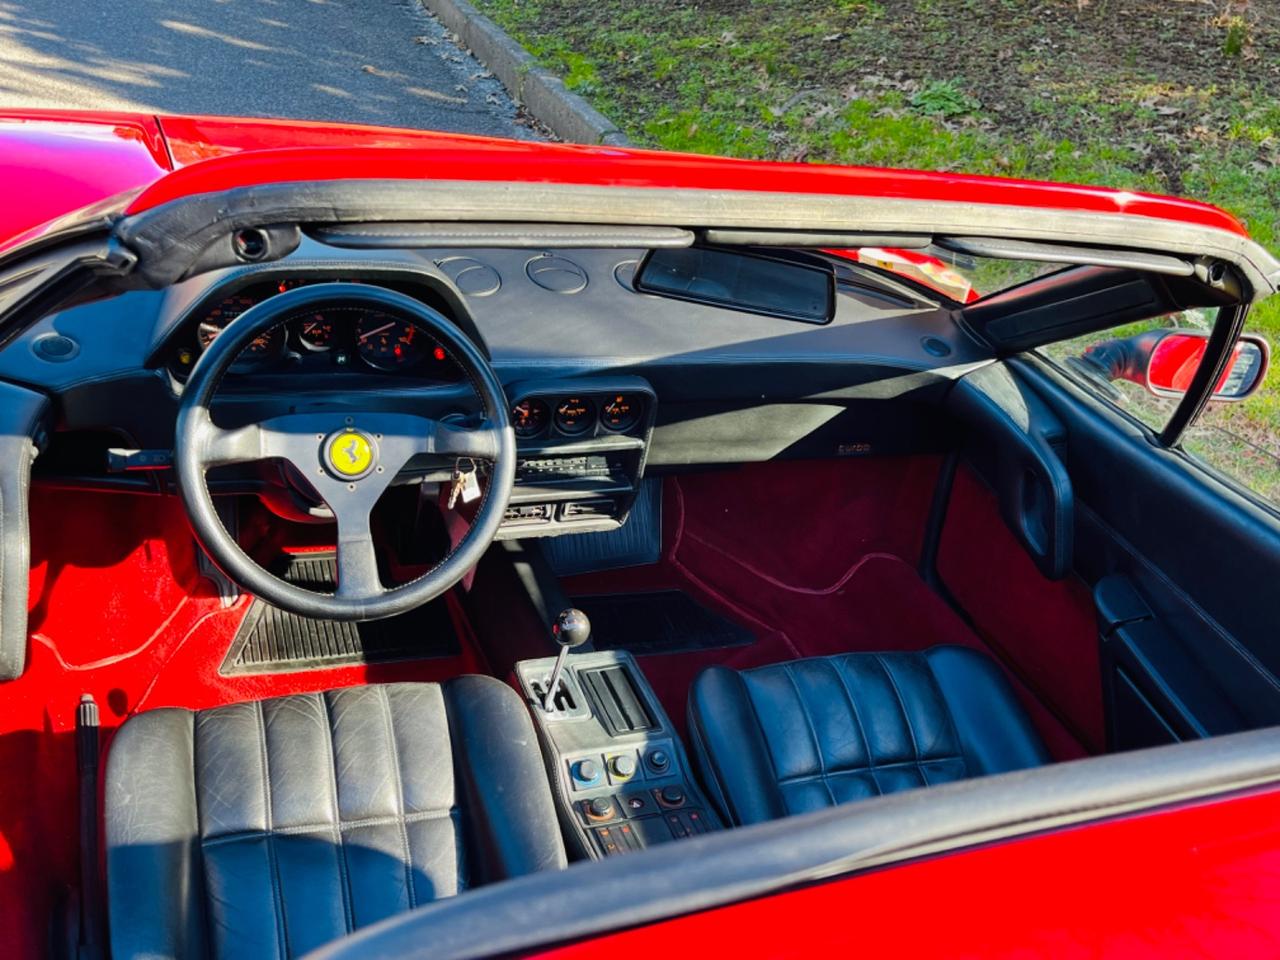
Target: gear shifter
[(571, 629)]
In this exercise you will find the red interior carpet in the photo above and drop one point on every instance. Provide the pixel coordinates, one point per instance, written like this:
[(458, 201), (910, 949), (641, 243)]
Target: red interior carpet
[(814, 558)]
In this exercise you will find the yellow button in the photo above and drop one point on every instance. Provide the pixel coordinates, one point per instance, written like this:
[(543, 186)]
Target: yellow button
[(350, 454)]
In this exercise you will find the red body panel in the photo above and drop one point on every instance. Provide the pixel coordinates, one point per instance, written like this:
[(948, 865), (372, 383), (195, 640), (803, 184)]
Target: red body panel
[(1201, 881), (192, 139), (52, 163)]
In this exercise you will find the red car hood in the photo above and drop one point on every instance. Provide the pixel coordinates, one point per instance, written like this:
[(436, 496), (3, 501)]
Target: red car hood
[(52, 164)]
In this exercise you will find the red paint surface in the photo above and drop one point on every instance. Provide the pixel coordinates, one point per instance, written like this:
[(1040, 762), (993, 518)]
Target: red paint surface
[(118, 610), (52, 163), (192, 139), (1202, 881), (1044, 630)]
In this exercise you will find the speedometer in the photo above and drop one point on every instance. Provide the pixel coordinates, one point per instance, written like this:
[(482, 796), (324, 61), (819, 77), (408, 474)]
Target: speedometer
[(387, 342), (263, 346)]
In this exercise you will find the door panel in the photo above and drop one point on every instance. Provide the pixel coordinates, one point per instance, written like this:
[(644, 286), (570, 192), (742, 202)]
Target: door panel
[(1185, 573)]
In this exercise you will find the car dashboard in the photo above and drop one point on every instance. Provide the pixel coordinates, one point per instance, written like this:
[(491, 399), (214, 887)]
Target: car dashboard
[(605, 380)]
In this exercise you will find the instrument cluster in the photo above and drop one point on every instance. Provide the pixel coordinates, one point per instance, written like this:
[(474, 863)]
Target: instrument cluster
[(578, 415), (341, 339)]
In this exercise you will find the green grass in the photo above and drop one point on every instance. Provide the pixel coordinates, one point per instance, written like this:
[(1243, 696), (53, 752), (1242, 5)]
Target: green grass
[(1144, 94)]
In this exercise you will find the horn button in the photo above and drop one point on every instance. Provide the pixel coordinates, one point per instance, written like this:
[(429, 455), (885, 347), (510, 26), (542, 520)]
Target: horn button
[(349, 454)]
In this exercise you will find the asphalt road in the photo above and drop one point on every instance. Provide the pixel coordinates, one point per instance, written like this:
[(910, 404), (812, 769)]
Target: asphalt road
[(367, 61)]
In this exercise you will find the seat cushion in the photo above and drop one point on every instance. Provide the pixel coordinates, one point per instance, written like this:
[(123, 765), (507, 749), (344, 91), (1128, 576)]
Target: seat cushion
[(800, 736), (266, 829)]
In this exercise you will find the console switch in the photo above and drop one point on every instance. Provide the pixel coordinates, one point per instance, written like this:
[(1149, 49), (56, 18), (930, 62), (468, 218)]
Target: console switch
[(638, 804), (670, 797), (586, 773), (616, 839), (622, 767), (658, 760), (599, 810)]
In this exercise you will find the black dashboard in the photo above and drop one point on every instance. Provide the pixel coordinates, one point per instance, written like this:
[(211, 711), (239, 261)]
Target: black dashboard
[(605, 381)]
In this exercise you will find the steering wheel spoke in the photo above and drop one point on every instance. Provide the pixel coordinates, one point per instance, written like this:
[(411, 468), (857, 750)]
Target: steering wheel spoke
[(357, 559), (473, 443), (223, 447)]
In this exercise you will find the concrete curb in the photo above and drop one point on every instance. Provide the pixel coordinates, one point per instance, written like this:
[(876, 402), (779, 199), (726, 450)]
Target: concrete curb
[(543, 94)]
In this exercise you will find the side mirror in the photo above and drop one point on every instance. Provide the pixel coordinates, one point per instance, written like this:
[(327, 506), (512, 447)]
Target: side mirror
[(1165, 361)]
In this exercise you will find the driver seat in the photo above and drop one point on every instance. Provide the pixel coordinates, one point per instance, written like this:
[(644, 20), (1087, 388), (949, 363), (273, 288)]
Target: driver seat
[(266, 829)]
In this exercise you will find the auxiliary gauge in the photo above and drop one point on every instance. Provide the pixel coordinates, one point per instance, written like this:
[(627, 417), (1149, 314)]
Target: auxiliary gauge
[(575, 416), (620, 412)]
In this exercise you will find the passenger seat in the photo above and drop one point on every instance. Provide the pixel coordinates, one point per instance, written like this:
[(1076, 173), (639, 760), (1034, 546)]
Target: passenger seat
[(808, 734)]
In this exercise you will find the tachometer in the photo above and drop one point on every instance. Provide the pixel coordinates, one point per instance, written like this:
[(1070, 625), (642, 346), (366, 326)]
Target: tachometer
[(575, 416), (266, 345), (529, 418), (387, 342)]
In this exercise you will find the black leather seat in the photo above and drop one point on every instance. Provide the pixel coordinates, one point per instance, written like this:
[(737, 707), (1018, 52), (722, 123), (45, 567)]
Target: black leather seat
[(266, 829), (800, 736)]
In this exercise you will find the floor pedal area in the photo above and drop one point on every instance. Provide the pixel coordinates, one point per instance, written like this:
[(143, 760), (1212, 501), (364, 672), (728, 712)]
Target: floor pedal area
[(272, 640), (668, 621)]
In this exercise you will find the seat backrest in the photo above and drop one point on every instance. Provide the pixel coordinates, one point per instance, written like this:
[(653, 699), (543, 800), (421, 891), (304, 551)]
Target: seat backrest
[(268, 828)]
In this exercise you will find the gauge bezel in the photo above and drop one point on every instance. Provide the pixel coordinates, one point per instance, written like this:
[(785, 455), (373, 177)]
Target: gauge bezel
[(300, 337), (546, 424), (637, 413), (589, 419), (418, 355), (276, 338)]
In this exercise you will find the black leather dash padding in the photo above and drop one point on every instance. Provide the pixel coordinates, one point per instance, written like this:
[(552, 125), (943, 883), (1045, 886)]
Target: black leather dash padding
[(268, 828), (807, 734)]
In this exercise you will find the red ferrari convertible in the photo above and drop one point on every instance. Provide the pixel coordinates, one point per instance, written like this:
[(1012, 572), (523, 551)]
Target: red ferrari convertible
[(423, 546)]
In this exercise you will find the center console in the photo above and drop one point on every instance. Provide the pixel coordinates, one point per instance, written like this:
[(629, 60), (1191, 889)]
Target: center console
[(618, 769)]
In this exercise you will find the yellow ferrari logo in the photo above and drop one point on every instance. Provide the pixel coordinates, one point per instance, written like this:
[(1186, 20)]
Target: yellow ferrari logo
[(349, 454)]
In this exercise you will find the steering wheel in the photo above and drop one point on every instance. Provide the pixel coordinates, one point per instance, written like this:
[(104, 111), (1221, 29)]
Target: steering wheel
[(350, 458)]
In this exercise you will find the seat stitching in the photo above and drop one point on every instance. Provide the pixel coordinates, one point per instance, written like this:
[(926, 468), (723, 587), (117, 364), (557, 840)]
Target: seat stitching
[(395, 766), (902, 704), (348, 910), (804, 710), (276, 894), (306, 828), (857, 718)]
